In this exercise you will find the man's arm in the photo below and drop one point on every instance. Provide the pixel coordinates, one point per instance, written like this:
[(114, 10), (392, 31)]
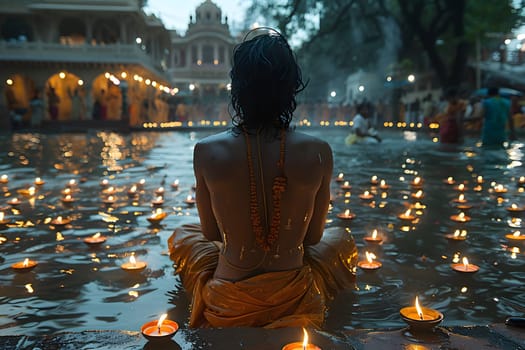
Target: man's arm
[(210, 230), (322, 199)]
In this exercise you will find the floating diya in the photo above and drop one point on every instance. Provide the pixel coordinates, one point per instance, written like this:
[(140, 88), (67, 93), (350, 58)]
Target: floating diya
[(4, 179), (458, 235), (374, 180), (28, 192), (383, 185), (132, 192), (3, 220), (461, 217), (133, 264), (39, 182), (340, 177), (304, 345), (417, 182), (159, 191), (60, 221), (161, 330), (449, 180), (68, 199), (141, 183), (109, 200), (346, 185), (72, 183), (95, 239), (66, 191), (25, 265), (420, 318), (515, 236), (369, 263), (465, 266), (521, 181), (479, 179), (374, 238), (175, 184), (407, 215), (190, 200), (14, 202), (460, 187), (346, 215), (110, 190), (500, 189), (418, 195), (514, 208), (461, 199), (158, 201), (157, 216), (104, 183), (366, 195)]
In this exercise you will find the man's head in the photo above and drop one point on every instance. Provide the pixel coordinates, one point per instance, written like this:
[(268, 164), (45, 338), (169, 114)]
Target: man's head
[(265, 78), (492, 91)]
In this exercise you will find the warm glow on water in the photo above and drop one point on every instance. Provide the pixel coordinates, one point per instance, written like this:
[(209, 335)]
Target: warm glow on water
[(80, 287)]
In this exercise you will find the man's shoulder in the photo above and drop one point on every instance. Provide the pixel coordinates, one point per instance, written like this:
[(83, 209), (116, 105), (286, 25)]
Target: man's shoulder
[(221, 137)]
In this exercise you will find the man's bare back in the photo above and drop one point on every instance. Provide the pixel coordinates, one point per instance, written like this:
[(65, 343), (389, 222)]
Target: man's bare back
[(223, 199)]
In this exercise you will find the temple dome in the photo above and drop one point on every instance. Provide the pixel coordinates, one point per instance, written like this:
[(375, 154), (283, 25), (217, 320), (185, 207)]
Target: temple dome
[(208, 12)]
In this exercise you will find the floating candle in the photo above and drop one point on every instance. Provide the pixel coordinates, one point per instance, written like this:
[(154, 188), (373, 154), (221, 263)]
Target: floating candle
[(158, 201), (109, 200), (521, 181), (66, 191), (383, 185), (133, 264), (366, 195), (60, 221), (97, 238), (68, 199), (407, 215), (373, 180), (450, 180), (461, 217), (159, 191), (374, 238), (417, 182), (514, 208), (420, 318), (104, 183), (175, 184), (72, 183), (460, 187), (460, 199), (458, 235), (4, 179), (14, 202), (157, 216), (369, 263), (515, 236), (161, 330), (346, 185), (479, 179), (132, 192), (141, 183), (418, 194), (3, 220), (39, 182), (110, 190), (25, 265), (346, 215), (500, 189), (189, 200), (304, 345), (340, 177), (465, 266)]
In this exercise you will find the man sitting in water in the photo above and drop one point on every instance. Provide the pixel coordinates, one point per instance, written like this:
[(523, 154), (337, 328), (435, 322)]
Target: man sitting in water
[(362, 132), (259, 257)]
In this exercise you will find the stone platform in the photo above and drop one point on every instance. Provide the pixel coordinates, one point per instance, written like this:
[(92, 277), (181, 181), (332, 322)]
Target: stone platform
[(497, 336)]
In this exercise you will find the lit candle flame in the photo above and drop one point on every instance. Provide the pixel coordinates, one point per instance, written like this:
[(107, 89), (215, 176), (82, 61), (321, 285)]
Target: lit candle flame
[(68, 197), (305, 339), (407, 213), (160, 189), (450, 179), (132, 260), (461, 197), (417, 180), (189, 198), (142, 181), (456, 233), (133, 188), (383, 183), (340, 176), (161, 319), (374, 234), (38, 180), (461, 216), (59, 219), (480, 179), (346, 184), (465, 263), (159, 199), (96, 235), (374, 178), (347, 212), (418, 309), (72, 182), (419, 193), (461, 187), (176, 182), (26, 262), (515, 234), (1, 216), (514, 206), (370, 257)]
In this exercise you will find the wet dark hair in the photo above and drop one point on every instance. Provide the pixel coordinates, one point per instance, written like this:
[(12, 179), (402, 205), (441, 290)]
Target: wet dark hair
[(492, 91), (265, 79)]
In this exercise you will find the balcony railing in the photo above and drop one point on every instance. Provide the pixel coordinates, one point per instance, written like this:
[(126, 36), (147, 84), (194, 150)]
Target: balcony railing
[(54, 52)]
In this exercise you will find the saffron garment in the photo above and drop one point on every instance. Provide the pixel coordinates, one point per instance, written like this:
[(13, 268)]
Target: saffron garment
[(274, 299)]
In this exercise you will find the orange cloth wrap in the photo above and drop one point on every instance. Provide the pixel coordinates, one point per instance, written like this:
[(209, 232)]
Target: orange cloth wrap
[(271, 300)]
